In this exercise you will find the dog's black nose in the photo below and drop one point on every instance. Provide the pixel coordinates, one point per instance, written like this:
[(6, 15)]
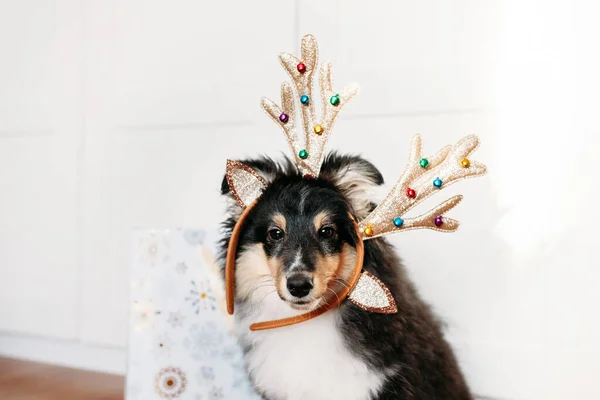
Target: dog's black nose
[(299, 285)]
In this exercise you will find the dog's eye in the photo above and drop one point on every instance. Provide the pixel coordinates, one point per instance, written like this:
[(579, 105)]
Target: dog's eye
[(326, 232), (275, 234)]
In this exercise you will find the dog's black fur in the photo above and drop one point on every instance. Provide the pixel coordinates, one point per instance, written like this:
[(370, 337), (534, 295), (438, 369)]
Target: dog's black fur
[(410, 342)]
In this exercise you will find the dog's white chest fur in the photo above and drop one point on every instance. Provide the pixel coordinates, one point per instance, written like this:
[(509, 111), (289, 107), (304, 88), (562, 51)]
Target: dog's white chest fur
[(306, 361)]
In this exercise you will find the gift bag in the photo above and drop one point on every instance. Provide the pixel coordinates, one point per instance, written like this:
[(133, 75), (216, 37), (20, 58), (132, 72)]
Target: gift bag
[(181, 341)]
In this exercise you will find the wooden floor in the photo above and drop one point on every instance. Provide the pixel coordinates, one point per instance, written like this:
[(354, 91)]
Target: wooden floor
[(23, 380)]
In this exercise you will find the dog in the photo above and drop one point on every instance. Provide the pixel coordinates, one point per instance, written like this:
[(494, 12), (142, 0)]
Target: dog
[(296, 250)]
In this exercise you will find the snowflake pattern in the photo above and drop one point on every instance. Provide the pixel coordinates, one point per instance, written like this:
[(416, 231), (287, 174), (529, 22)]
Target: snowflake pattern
[(181, 268), (201, 297), (204, 341), (144, 314), (162, 346), (205, 376), (194, 236), (153, 249), (170, 383), (208, 373), (216, 393), (176, 319)]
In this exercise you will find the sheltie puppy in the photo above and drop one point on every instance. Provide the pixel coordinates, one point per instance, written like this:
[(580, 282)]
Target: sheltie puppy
[(296, 250)]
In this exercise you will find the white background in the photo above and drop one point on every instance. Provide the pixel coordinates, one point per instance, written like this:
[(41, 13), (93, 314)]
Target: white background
[(117, 114)]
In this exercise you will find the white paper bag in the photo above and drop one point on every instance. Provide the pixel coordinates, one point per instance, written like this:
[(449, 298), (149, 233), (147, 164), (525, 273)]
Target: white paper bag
[(181, 344)]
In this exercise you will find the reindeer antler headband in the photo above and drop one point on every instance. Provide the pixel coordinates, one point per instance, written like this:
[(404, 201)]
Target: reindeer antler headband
[(421, 179)]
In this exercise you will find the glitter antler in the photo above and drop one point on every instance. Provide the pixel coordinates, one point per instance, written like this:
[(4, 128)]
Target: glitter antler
[(310, 157), (421, 179)]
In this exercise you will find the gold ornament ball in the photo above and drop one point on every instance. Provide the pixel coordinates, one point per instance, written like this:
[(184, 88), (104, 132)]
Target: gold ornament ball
[(318, 129), (465, 163), (368, 230)]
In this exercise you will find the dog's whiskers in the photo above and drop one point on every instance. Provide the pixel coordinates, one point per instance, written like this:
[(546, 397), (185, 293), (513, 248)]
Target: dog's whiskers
[(337, 279), (334, 293), (260, 287), (263, 298), (343, 282)]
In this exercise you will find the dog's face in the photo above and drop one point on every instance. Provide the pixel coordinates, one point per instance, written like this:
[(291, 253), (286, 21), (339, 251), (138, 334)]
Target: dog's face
[(304, 233), (299, 240)]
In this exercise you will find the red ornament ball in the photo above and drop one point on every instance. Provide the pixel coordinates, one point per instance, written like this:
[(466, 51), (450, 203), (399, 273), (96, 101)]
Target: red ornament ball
[(301, 68), (411, 193)]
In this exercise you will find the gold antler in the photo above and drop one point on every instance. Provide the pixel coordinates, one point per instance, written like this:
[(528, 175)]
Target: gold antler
[(310, 157), (422, 178)]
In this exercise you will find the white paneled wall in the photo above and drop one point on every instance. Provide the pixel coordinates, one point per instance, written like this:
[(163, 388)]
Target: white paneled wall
[(119, 114), (41, 131)]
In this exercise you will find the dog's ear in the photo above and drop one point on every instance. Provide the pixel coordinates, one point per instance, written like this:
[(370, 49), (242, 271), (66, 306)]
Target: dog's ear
[(245, 180), (355, 177), (244, 183)]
